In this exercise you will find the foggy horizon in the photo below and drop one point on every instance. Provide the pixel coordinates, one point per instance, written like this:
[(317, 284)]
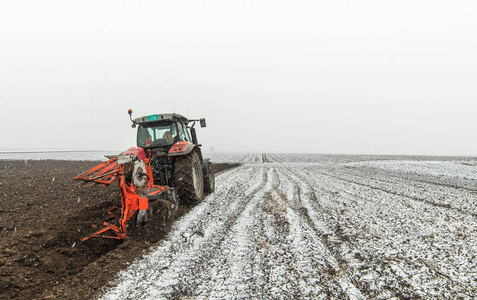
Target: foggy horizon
[(325, 77)]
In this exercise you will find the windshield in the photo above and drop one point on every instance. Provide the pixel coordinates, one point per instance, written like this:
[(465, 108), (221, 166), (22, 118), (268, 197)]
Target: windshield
[(156, 136)]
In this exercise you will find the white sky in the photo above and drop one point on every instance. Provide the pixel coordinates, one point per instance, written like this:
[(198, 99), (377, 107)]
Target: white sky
[(370, 77)]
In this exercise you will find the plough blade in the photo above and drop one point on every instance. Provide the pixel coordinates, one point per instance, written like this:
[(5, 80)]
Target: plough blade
[(118, 235)]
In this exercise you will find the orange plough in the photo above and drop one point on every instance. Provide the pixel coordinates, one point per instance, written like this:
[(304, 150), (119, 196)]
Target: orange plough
[(133, 172)]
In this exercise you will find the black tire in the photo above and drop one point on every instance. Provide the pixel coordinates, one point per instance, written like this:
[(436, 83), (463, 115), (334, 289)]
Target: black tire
[(188, 178), (209, 181)]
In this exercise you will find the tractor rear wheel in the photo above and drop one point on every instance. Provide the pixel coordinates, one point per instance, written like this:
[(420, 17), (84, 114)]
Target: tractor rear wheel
[(209, 180), (188, 178)]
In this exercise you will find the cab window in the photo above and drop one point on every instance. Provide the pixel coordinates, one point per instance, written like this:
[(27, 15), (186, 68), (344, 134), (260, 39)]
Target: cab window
[(183, 134), (153, 136)]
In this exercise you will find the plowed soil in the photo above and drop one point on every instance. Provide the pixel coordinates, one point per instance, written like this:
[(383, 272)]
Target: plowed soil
[(44, 217)]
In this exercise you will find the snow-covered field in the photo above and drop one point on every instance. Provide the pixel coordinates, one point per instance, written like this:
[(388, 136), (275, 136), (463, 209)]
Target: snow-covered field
[(320, 227), (55, 155)]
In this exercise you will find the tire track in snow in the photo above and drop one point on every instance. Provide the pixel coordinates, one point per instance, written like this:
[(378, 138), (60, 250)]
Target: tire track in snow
[(416, 172), (329, 225), (239, 269), (301, 212), (445, 197), (396, 239), (392, 176)]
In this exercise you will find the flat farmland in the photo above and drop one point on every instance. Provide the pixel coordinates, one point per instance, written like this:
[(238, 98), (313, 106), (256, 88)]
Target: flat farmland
[(320, 226)]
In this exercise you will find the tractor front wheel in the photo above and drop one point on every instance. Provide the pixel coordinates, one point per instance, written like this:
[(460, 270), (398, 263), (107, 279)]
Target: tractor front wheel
[(188, 178)]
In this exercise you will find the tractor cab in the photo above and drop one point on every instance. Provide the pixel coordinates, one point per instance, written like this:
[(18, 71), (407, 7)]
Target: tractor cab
[(162, 131)]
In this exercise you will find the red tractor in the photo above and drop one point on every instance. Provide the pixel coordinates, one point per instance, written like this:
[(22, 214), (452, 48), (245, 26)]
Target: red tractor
[(166, 166)]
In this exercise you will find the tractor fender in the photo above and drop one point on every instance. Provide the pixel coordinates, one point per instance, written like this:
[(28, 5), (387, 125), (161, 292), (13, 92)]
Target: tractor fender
[(138, 151), (181, 148), (205, 166)]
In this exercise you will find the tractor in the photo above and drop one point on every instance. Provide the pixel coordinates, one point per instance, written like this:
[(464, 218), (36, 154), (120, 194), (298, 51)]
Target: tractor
[(166, 166), (170, 141)]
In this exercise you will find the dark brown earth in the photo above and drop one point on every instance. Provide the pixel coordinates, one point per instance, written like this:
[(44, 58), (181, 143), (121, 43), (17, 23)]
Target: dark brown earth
[(44, 217)]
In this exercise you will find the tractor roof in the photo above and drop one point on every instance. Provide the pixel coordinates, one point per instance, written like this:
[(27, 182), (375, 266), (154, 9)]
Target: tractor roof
[(160, 117)]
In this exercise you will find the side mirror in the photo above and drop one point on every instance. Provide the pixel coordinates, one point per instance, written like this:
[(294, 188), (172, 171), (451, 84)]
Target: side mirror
[(202, 122)]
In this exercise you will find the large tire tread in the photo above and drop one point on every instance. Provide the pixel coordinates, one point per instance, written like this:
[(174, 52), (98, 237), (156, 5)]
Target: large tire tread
[(209, 181), (184, 181)]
